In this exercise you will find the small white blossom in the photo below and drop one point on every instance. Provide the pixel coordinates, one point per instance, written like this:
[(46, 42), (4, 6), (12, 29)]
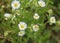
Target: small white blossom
[(41, 3), (22, 25), (35, 27), (15, 4), (52, 20), (36, 16), (21, 33), (7, 15)]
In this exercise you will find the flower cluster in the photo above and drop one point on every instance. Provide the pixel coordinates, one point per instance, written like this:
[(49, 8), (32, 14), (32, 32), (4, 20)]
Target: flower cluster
[(22, 25)]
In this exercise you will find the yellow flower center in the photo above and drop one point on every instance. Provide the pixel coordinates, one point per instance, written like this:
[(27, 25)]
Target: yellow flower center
[(21, 33), (36, 26), (22, 26), (52, 19), (36, 16), (15, 4)]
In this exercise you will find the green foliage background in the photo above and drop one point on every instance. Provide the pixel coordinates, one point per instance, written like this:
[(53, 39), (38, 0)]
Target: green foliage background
[(46, 34)]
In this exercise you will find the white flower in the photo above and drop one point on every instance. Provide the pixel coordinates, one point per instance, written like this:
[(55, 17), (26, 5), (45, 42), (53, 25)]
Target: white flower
[(36, 16), (21, 33), (7, 15), (35, 27), (22, 25), (41, 3), (52, 20), (15, 4)]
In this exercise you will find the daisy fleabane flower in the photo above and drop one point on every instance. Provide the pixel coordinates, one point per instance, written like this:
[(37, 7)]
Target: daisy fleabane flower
[(7, 15), (15, 4), (35, 27), (22, 25), (41, 3), (21, 33), (36, 16), (52, 20)]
